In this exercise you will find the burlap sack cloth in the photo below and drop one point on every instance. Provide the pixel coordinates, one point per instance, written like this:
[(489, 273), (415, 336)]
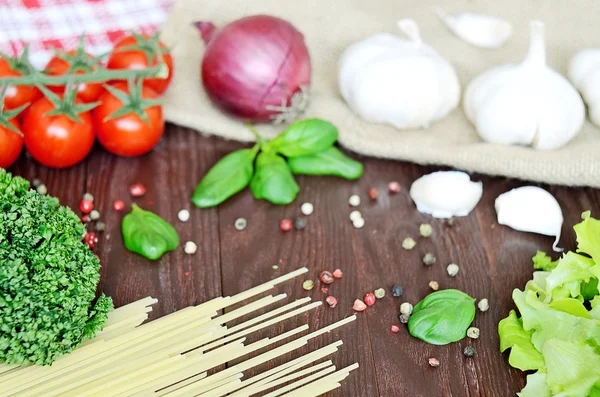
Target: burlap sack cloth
[(331, 25)]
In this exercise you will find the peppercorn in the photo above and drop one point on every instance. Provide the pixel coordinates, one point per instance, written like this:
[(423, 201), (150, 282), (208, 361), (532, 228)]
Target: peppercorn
[(325, 290), (369, 299), (100, 226), (118, 205), (337, 273), (397, 291), (275, 267), (88, 196), (452, 269), (86, 218), (354, 215), (36, 182), (379, 293), (373, 193), (450, 222), (429, 259), (285, 225), (326, 277), (434, 285), (404, 318), (473, 332), (307, 208), (469, 351), (408, 243), (434, 362), (190, 248), (86, 206), (354, 200), (331, 301), (358, 223), (42, 189), (483, 305), (94, 215), (240, 224), (395, 329), (137, 190), (406, 308), (308, 285), (359, 305), (300, 223), (183, 215), (425, 230), (394, 187)]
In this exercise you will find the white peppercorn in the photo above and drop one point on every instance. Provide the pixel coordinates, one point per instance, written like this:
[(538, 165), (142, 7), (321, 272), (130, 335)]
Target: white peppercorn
[(406, 308), (452, 269)]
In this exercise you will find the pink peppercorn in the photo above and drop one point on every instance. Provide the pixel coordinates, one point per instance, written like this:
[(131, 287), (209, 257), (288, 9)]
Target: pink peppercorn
[(86, 206), (326, 277), (285, 225), (394, 187), (337, 273), (395, 329), (359, 305), (324, 290), (118, 205), (331, 301), (373, 193), (370, 299), (137, 190), (86, 219)]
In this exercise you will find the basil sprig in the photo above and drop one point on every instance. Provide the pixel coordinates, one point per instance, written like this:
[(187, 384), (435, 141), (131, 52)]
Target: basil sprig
[(305, 148), (148, 234), (442, 317)]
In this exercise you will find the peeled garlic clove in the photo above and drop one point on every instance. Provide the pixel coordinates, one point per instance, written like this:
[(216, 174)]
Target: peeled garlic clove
[(530, 209), (479, 30), (445, 194)]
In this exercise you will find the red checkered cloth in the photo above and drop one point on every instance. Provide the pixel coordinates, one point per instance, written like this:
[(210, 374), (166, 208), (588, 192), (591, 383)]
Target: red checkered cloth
[(48, 24)]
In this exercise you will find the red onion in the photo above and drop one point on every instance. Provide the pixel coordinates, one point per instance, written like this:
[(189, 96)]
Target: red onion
[(253, 68)]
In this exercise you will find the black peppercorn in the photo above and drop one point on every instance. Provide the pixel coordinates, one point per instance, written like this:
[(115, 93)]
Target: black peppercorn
[(397, 291), (300, 223), (469, 351)]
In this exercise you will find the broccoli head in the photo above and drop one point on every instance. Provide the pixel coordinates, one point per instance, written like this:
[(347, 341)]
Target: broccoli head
[(48, 277)]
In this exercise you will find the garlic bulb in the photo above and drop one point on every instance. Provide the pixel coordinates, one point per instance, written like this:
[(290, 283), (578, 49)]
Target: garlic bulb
[(584, 73), (392, 80), (530, 209), (445, 194), (479, 30), (526, 104)]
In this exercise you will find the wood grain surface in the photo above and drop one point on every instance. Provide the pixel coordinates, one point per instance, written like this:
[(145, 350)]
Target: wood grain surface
[(493, 259)]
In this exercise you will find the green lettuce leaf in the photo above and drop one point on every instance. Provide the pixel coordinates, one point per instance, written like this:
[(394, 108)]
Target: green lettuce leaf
[(588, 236), (542, 261), (537, 386), (523, 354), (572, 368), (572, 269)]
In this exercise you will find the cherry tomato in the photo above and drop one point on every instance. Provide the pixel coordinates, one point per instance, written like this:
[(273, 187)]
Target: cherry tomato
[(16, 95), (86, 92), (11, 144), (127, 135), (56, 141), (136, 59)]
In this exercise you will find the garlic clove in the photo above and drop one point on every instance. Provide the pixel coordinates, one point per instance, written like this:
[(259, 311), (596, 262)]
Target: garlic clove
[(445, 194), (584, 73), (530, 209), (479, 30)]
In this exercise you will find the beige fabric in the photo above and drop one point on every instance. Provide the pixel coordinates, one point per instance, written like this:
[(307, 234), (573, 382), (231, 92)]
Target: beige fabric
[(331, 25)]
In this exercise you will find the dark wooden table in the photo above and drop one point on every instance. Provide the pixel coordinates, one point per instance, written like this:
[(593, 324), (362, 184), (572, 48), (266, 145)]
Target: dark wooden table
[(493, 259)]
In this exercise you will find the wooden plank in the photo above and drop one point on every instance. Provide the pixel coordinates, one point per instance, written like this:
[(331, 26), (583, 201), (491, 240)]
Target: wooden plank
[(169, 174), (247, 258)]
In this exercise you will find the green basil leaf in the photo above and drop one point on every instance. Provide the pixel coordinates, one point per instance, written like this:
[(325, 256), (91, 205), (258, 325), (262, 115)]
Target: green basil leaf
[(442, 317), (273, 180), (305, 137), (230, 175), (328, 162), (148, 234)]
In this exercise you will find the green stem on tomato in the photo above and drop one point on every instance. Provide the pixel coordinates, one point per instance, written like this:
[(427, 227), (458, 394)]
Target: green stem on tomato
[(160, 71)]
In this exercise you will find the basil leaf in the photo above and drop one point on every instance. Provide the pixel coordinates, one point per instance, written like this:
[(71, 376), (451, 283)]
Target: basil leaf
[(442, 317), (227, 177), (305, 137), (273, 180), (148, 234), (328, 162)]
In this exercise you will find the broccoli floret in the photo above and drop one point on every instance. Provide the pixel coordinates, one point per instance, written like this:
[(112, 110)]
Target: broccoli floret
[(48, 277)]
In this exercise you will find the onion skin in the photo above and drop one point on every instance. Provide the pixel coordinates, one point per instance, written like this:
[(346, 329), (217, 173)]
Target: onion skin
[(252, 64)]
